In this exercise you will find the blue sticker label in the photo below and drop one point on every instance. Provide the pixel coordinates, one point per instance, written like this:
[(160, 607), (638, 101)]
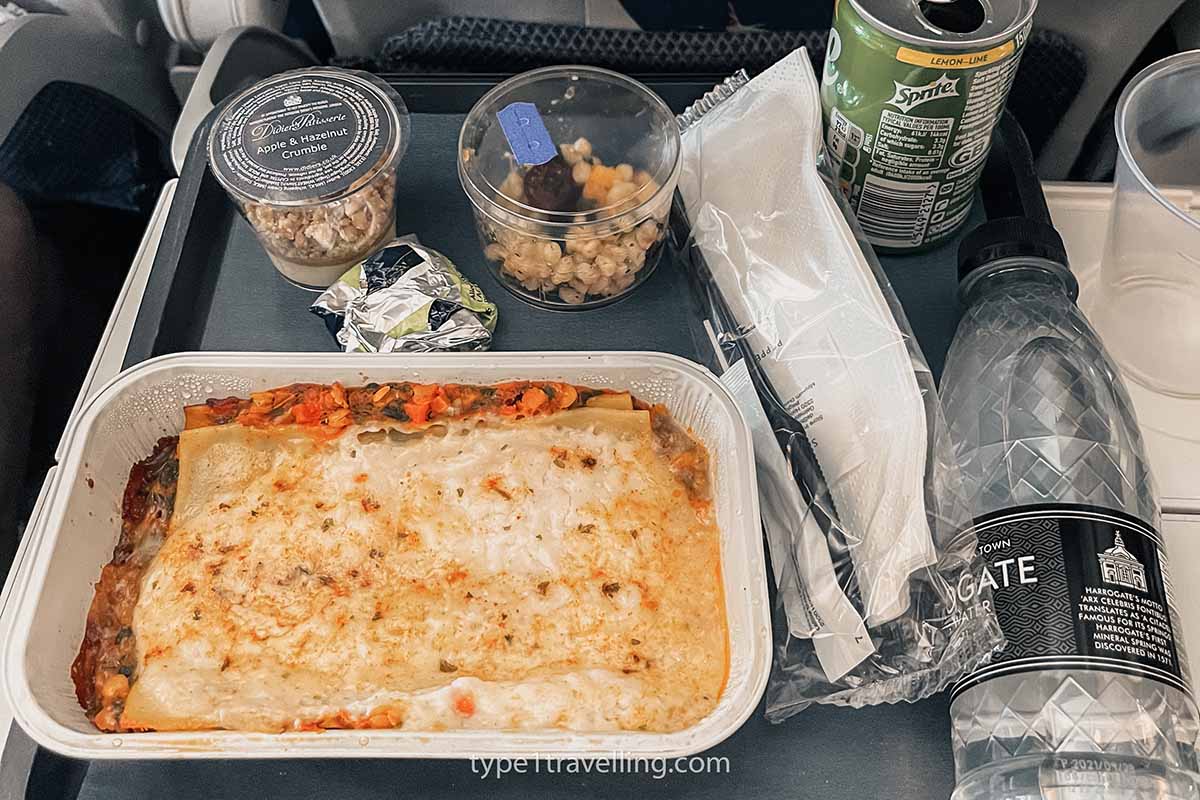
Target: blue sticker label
[(526, 133)]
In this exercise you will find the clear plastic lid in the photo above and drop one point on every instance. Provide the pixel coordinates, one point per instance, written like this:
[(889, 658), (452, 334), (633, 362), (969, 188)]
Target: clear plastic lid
[(523, 124), (307, 136)]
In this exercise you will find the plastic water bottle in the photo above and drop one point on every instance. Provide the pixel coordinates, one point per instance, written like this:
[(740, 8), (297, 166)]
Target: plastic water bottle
[(1091, 696)]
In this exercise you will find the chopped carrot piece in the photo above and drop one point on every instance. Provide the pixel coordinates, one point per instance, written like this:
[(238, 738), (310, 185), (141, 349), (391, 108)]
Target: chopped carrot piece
[(106, 719), (567, 395), (599, 181), (533, 399), (424, 392), (439, 405), (380, 721), (417, 412), (464, 704), (507, 411), (306, 413)]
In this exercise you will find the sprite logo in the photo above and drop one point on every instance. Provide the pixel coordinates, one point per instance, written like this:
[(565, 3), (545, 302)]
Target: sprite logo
[(906, 98)]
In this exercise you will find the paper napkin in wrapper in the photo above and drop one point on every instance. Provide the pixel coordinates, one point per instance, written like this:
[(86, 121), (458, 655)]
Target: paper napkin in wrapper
[(407, 298)]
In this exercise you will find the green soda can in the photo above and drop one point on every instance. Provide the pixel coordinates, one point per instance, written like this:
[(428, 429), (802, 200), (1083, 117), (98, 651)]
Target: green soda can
[(911, 92)]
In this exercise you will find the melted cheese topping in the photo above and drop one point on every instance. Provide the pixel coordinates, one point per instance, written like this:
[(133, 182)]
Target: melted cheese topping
[(536, 574)]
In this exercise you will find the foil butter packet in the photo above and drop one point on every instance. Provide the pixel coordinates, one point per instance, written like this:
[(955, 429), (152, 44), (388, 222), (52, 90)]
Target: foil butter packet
[(406, 298)]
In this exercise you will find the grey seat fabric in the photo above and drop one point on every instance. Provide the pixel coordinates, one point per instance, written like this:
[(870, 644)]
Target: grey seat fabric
[(475, 44), (53, 151), (18, 335), (83, 113), (1051, 73), (39, 49)]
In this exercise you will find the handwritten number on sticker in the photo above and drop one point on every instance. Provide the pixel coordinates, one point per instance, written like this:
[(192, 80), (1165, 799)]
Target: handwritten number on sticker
[(526, 133)]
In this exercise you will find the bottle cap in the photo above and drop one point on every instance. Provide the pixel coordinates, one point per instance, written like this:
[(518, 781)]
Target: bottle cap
[(1009, 237)]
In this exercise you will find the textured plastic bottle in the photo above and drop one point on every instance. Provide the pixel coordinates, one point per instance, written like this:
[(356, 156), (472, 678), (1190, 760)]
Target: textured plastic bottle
[(1090, 698)]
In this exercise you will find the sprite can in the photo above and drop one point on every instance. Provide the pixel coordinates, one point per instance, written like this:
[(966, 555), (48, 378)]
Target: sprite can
[(911, 92)]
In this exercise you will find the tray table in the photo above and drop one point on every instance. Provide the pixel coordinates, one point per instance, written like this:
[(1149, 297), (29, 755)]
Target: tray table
[(212, 287)]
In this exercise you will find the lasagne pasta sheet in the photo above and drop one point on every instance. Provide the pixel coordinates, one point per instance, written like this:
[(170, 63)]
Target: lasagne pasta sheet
[(465, 566)]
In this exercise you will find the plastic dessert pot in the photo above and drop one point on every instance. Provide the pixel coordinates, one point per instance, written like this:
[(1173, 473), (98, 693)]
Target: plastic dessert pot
[(309, 157)]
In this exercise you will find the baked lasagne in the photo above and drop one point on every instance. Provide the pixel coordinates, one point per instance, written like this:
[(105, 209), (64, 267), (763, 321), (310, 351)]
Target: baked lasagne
[(530, 555)]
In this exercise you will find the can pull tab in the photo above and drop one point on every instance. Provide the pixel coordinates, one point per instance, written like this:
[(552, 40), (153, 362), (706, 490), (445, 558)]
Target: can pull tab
[(953, 16)]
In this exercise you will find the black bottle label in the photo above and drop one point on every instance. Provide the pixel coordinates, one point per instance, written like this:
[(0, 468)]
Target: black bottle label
[(1078, 587)]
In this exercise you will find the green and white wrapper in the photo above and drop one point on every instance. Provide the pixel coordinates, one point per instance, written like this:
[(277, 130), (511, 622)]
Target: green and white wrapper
[(406, 298)]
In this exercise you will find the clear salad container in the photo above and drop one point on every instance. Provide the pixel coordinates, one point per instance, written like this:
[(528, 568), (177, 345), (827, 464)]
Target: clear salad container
[(570, 171), (309, 157)]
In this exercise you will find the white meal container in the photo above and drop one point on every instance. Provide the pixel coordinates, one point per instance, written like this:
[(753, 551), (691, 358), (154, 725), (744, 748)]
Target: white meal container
[(74, 534)]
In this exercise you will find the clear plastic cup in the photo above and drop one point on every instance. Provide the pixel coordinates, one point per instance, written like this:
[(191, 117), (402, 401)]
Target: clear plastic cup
[(1147, 304), (587, 226)]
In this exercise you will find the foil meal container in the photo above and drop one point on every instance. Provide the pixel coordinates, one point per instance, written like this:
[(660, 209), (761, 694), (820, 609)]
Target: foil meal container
[(78, 521)]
